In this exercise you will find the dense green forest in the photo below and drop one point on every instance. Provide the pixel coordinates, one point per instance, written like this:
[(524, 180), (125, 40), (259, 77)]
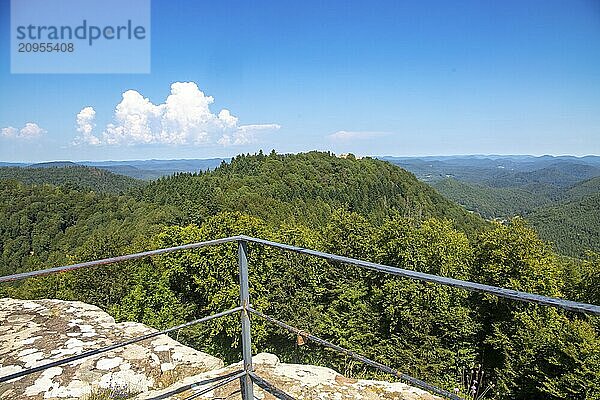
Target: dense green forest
[(569, 218), (505, 202), (491, 202), (572, 225), (76, 177), (43, 225), (367, 209), (306, 189), (582, 189), (557, 195)]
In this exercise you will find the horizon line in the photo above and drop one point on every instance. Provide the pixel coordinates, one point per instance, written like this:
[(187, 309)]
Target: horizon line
[(284, 153)]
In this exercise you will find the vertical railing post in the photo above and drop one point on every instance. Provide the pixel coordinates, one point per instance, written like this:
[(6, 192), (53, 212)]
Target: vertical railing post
[(245, 381)]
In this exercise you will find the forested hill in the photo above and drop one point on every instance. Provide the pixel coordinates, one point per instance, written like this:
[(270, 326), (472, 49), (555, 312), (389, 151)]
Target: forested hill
[(583, 189), (306, 188), (566, 216), (573, 225), (72, 176), (491, 202), (44, 225)]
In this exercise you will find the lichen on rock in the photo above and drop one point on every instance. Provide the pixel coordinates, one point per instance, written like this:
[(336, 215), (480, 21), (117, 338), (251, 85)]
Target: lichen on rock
[(35, 332)]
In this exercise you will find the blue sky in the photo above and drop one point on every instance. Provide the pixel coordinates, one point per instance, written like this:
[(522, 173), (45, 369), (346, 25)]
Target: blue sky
[(374, 78)]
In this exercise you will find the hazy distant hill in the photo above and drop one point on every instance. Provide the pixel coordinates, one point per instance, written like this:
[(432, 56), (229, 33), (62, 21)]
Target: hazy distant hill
[(133, 172), (558, 195), (138, 169), (71, 175), (497, 186), (153, 169), (54, 164), (558, 175), (502, 171)]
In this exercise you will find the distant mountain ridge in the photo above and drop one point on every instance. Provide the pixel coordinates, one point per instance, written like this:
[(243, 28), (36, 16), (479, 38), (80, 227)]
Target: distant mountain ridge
[(559, 196), (72, 176), (138, 169), (486, 169), (493, 186), (558, 174), (470, 168), (54, 164)]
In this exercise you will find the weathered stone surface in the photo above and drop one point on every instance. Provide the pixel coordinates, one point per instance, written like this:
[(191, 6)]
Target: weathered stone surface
[(302, 382), (36, 332)]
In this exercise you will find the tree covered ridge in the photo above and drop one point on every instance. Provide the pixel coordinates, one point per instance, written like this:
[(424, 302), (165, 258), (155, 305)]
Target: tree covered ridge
[(42, 225), (573, 226), (74, 177), (568, 218), (306, 188), (491, 202)]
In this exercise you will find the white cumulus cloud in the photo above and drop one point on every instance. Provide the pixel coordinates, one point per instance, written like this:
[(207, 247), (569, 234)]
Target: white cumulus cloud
[(29, 131), (10, 132), (184, 118), (85, 125)]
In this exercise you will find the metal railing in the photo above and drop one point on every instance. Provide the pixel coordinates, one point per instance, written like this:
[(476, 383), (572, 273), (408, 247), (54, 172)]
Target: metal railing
[(246, 375)]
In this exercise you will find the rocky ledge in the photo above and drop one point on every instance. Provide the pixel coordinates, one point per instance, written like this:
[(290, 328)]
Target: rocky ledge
[(35, 332)]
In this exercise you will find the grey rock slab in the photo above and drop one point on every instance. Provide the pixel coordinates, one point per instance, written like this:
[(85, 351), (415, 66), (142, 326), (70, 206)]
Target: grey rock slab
[(35, 332)]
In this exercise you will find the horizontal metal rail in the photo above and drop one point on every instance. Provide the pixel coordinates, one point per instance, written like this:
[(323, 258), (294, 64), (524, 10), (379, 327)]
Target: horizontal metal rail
[(414, 381), (114, 346), (114, 260), (280, 394), (421, 276), (226, 379)]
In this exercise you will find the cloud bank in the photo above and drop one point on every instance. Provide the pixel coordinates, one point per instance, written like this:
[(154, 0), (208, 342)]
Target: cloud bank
[(29, 131), (348, 136), (184, 118)]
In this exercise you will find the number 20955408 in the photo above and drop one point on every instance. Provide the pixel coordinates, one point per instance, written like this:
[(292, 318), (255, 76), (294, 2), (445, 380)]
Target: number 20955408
[(26, 47)]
